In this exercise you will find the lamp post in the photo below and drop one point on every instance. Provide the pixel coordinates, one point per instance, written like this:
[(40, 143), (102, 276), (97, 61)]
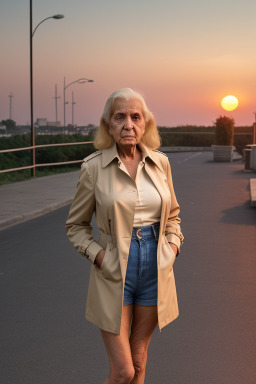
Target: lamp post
[(79, 81), (31, 34)]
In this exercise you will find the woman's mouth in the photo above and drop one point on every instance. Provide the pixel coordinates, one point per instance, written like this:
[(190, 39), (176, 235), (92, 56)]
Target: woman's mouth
[(128, 137)]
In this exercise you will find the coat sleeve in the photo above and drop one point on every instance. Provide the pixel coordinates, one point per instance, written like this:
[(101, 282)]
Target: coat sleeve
[(78, 222), (173, 230)]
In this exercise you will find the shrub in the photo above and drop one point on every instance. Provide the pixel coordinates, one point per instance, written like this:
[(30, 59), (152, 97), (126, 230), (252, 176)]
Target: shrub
[(224, 130)]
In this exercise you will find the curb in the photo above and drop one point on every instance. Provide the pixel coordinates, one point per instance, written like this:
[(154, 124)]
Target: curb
[(5, 224), (185, 149)]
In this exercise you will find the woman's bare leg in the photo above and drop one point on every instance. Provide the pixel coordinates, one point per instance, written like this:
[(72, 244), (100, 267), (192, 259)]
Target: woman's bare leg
[(143, 324), (119, 352)]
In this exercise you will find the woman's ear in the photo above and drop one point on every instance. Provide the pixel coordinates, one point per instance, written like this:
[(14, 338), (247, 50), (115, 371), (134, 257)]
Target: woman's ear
[(109, 130)]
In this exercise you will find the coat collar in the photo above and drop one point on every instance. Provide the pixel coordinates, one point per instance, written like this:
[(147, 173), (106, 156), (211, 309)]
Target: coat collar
[(109, 154)]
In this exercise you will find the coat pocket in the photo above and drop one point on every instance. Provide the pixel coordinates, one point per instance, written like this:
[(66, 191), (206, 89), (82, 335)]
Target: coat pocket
[(167, 256), (110, 267)]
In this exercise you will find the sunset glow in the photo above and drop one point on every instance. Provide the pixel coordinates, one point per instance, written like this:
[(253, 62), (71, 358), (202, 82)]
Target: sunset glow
[(182, 72), (229, 103)]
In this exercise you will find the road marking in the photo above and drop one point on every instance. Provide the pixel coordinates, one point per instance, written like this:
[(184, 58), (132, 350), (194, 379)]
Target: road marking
[(190, 157)]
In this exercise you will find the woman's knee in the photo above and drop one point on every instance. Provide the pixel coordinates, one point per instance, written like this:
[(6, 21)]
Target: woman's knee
[(140, 360), (124, 375)]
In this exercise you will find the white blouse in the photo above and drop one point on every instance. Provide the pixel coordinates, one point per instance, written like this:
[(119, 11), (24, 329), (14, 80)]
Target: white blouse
[(148, 205)]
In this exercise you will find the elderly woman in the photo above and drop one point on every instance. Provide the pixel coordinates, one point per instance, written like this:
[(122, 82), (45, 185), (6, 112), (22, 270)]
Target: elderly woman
[(128, 185)]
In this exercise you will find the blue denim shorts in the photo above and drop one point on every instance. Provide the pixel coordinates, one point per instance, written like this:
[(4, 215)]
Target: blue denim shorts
[(141, 275)]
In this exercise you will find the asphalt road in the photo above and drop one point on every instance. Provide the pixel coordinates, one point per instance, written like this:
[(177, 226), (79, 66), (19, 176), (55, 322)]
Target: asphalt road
[(43, 283)]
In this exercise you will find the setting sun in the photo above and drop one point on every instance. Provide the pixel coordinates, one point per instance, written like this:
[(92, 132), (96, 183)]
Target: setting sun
[(229, 103)]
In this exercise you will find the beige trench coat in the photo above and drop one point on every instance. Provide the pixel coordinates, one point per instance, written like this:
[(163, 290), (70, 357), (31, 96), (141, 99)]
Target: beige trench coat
[(111, 193)]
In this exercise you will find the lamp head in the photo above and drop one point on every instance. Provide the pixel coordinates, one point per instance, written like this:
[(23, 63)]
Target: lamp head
[(58, 17), (83, 80)]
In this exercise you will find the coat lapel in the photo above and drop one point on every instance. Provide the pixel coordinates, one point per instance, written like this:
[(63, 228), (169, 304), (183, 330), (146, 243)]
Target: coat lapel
[(155, 170)]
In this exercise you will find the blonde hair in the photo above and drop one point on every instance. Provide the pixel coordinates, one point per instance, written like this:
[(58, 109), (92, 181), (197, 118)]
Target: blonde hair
[(150, 138)]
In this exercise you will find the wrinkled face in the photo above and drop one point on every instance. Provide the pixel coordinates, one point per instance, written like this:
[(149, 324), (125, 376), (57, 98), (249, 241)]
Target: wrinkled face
[(127, 123)]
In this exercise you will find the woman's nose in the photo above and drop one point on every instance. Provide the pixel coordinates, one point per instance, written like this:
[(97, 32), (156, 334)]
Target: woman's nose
[(128, 123)]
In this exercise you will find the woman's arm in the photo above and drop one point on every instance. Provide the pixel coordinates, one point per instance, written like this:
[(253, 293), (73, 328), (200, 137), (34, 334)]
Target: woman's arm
[(78, 222)]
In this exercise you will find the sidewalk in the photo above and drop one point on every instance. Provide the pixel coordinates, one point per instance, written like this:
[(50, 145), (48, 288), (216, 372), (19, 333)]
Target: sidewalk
[(25, 200)]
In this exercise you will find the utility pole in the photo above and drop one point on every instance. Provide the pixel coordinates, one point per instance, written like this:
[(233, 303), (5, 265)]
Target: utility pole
[(10, 96), (56, 97), (73, 103)]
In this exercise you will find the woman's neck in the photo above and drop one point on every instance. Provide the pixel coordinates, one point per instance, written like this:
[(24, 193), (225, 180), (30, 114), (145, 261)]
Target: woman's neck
[(129, 152)]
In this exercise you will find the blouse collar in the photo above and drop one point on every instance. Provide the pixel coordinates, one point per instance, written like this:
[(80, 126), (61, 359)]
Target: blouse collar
[(109, 154)]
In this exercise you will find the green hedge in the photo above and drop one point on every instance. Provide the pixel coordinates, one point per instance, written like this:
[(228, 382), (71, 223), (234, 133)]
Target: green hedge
[(43, 155), (193, 136), (187, 139)]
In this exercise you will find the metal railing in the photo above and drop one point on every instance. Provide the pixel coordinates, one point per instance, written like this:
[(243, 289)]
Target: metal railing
[(41, 146)]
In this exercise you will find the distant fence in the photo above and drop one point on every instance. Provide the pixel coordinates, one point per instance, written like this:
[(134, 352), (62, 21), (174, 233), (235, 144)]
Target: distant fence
[(41, 146)]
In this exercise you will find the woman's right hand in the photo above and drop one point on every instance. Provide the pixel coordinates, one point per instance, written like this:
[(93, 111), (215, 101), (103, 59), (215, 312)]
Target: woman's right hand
[(99, 258)]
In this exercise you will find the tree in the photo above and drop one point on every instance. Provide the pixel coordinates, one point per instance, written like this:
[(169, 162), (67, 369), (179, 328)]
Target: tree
[(9, 123), (224, 130)]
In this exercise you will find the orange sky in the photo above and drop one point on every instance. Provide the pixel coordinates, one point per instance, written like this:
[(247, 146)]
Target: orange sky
[(183, 56)]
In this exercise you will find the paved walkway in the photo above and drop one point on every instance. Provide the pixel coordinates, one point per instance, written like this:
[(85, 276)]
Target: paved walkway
[(25, 200)]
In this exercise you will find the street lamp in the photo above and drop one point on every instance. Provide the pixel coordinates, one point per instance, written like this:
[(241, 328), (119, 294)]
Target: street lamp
[(31, 34), (79, 81), (56, 17)]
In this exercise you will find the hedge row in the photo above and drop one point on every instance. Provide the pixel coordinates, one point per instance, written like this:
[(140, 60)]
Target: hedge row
[(202, 140)]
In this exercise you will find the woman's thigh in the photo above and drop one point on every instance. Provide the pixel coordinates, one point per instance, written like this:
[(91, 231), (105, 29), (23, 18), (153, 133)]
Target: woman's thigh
[(127, 353), (118, 346), (143, 324)]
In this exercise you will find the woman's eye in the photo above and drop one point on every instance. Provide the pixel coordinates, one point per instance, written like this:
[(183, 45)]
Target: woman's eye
[(136, 117)]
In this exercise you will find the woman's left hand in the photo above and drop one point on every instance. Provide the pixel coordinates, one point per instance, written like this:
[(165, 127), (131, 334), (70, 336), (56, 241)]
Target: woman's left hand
[(174, 248), (99, 258)]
